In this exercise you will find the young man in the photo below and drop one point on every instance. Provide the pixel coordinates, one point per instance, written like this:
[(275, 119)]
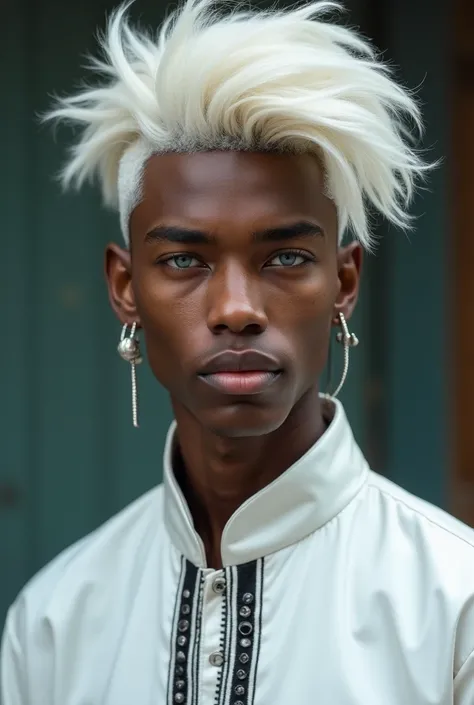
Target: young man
[(273, 566)]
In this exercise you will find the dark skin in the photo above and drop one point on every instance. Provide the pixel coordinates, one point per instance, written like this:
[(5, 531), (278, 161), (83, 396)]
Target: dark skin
[(235, 251)]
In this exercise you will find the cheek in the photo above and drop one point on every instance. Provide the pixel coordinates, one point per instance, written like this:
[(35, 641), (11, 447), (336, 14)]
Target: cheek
[(308, 319), (163, 312), (307, 304), (164, 323), (174, 327)]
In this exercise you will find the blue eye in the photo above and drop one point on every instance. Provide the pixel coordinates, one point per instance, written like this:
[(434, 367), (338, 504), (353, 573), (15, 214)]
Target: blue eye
[(181, 261), (287, 259)]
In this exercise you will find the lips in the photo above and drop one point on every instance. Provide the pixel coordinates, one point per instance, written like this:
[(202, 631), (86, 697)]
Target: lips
[(244, 361), (245, 373)]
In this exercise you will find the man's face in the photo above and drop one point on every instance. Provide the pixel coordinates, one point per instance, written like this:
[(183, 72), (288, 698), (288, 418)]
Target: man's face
[(235, 278)]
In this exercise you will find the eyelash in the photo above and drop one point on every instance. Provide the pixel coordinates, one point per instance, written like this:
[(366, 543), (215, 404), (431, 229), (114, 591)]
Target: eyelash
[(299, 253)]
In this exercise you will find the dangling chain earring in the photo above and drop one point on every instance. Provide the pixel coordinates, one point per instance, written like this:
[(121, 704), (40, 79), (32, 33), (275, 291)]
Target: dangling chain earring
[(129, 350), (348, 340)]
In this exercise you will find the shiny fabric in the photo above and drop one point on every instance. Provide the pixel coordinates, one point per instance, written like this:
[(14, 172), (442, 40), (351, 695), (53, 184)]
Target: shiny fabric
[(338, 588)]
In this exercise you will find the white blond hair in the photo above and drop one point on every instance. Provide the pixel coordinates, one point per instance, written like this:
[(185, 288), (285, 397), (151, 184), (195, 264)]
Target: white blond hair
[(285, 81)]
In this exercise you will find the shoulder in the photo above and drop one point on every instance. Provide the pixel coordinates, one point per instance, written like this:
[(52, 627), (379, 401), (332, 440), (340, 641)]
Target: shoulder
[(82, 591), (111, 549), (431, 554), (433, 523)]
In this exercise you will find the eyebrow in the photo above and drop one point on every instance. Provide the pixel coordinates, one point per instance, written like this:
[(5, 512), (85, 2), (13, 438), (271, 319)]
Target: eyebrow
[(302, 228), (190, 236)]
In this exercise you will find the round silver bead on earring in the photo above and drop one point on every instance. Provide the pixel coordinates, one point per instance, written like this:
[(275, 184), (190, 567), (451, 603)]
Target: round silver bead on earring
[(129, 350)]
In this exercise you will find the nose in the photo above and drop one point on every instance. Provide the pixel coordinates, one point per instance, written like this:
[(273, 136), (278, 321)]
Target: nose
[(235, 302)]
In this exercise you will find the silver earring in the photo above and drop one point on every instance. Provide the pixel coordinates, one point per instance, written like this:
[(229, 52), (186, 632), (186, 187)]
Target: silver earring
[(129, 350), (348, 340)]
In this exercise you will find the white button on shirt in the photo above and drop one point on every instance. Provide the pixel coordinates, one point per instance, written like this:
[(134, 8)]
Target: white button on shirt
[(338, 588)]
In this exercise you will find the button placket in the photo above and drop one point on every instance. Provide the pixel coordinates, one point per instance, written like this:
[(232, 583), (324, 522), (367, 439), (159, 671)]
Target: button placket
[(212, 655)]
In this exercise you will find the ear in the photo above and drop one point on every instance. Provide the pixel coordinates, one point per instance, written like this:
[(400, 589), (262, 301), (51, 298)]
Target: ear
[(118, 272), (349, 260)]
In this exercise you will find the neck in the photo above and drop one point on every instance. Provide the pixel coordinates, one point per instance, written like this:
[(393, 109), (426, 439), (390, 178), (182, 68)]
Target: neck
[(218, 474)]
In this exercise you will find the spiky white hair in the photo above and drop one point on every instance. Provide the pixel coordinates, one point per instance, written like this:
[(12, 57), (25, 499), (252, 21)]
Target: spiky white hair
[(286, 81)]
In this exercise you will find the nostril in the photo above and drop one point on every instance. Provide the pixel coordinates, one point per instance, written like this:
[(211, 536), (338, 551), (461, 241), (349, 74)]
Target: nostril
[(220, 328), (253, 329)]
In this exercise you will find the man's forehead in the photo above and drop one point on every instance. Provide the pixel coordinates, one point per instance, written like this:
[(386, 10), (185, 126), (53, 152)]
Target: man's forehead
[(215, 188), (250, 186), (254, 191), (241, 171)]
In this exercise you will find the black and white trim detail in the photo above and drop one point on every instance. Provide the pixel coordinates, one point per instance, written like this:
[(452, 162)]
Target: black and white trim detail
[(196, 646), (242, 634), (184, 660), (229, 635)]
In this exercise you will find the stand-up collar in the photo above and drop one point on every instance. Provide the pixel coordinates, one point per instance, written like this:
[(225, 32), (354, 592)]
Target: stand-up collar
[(304, 498)]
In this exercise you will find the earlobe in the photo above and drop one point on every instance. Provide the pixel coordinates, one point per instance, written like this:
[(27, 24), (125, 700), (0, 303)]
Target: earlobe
[(118, 273)]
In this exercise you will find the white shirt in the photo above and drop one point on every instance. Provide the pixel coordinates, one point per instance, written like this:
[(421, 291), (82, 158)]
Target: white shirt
[(338, 588)]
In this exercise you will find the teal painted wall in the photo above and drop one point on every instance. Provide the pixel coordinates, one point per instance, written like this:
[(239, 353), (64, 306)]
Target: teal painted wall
[(418, 305), (69, 453)]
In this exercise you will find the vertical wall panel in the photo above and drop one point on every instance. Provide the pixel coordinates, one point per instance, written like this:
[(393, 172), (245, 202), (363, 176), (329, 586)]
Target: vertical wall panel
[(16, 356), (462, 485), (418, 361), (68, 303)]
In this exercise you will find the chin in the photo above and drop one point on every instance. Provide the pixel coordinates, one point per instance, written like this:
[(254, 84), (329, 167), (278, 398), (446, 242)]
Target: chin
[(243, 420)]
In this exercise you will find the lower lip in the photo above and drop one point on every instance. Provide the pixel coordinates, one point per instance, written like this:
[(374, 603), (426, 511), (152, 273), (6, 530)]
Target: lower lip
[(241, 382)]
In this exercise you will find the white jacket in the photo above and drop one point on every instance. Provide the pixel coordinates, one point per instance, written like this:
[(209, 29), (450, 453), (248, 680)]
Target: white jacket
[(339, 588)]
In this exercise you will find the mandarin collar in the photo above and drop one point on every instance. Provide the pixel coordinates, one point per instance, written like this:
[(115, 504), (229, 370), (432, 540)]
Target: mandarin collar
[(300, 501)]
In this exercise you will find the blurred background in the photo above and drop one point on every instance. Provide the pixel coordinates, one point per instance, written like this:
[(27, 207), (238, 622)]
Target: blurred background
[(69, 455)]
